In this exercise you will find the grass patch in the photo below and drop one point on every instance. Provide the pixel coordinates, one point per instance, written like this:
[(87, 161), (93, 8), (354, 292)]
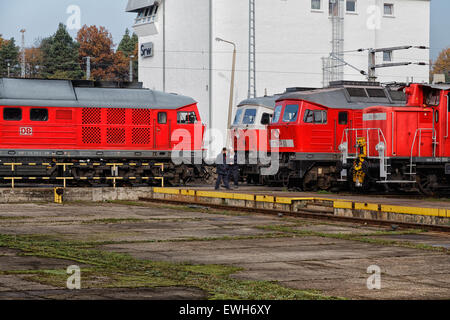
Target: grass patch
[(361, 237), (115, 270), (9, 218), (112, 221)]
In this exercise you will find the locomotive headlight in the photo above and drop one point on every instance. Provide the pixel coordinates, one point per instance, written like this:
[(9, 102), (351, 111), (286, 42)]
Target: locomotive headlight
[(276, 133), (343, 147), (380, 147)]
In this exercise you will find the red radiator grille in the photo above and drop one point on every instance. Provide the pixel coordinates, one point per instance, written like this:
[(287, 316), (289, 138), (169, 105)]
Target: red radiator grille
[(115, 135), (141, 117), (115, 116), (91, 135), (141, 136), (91, 116)]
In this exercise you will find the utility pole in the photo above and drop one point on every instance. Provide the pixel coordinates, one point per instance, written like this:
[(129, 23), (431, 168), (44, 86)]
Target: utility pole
[(131, 67), (9, 67), (22, 73), (252, 51), (88, 68), (230, 106), (372, 60)]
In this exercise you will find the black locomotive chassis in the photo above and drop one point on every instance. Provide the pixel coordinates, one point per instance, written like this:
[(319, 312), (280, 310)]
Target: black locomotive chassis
[(117, 172)]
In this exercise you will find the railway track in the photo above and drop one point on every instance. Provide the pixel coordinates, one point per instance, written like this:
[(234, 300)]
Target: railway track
[(308, 214)]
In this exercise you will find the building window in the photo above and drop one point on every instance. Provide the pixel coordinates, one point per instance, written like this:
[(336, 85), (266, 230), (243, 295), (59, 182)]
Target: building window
[(147, 15), (12, 114), (316, 4), (333, 7), (351, 6), (387, 56), (388, 9), (39, 115)]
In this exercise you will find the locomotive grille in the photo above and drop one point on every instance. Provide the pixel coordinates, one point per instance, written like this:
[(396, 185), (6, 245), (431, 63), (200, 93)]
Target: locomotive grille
[(141, 135), (91, 115), (91, 135), (115, 116), (141, 117), (115, 136)]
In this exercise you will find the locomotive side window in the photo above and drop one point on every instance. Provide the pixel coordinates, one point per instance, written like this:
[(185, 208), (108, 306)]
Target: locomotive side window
[(277, 114), (320, 116), (249, 116), (290, 113), (343, 118), (315, 116), (12, 114), (162, 117), (39, 115), (186, 117)]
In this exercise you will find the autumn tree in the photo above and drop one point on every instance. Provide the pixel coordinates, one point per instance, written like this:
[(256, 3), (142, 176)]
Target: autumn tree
[(97, 43), (34, 61), (9, 54), (442, 64), (60, 56)]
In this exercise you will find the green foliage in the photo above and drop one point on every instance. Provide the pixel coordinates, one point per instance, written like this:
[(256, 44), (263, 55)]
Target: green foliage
[(60, 56), (129, 46), (9, 53)]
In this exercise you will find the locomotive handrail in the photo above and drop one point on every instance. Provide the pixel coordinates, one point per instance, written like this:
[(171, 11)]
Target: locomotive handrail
[(380, 135), (419, 130)]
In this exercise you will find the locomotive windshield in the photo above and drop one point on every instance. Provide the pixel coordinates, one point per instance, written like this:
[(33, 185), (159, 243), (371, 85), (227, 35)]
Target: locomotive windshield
[(290, 113), (237, 118), (277, 114), (249, 116)]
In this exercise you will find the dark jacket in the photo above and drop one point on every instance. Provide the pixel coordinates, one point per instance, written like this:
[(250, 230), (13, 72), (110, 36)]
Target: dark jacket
[(222, 164)]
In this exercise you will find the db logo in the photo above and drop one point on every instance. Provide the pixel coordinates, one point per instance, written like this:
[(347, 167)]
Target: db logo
[(26, 131)]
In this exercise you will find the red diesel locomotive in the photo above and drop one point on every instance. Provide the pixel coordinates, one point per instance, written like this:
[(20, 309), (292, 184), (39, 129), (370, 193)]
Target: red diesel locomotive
[(307, 128), (91, 132), (403, 147)]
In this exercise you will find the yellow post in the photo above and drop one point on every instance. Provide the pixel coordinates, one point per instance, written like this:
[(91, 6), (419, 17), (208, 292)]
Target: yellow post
[(59, 192)]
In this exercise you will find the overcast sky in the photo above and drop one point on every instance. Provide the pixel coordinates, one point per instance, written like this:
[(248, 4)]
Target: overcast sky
[(41, 17)]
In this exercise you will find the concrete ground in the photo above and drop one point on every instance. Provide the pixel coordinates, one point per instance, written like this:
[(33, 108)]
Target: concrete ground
[(304, 256)]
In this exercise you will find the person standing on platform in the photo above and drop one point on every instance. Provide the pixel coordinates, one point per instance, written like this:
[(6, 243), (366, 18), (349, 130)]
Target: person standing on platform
[(222, 169)]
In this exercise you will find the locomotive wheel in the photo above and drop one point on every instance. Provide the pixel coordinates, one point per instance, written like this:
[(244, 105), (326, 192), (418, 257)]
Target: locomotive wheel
[(426, 184)]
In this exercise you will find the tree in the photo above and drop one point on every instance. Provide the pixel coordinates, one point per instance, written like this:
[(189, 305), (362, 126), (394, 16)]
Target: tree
[(9, 53), (34, 60), (442, 64), (129, 46), (97, 43), (60, 56)]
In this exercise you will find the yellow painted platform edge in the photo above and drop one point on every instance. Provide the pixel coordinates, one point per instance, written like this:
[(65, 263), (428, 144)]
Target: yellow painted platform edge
[(337, 203)]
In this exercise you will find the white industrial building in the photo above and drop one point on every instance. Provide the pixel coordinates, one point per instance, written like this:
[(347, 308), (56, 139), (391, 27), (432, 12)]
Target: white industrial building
[(293, 38)]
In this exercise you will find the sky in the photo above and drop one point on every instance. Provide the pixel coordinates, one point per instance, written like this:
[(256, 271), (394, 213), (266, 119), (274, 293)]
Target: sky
[(40, 18)]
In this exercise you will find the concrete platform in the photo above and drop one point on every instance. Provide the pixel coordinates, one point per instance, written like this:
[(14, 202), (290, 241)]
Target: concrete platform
[(387, 208), (334, 266)]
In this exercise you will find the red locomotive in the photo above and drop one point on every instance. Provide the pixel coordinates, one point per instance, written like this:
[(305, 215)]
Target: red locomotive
[(95, 129), (403, 147), (308, 126)]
